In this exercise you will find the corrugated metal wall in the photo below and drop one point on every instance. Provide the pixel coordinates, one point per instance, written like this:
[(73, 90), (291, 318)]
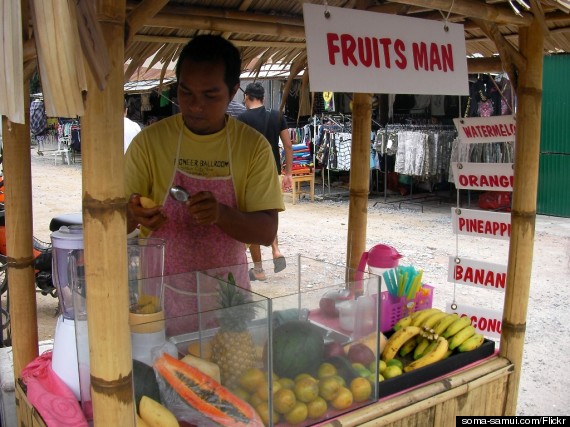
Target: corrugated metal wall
[(554, 173)]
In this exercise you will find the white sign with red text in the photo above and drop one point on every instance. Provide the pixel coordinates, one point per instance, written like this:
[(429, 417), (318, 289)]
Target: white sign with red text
[(486, 129), (479, 274), (486, 322), (368, 52), (471, 222), (483, 176)]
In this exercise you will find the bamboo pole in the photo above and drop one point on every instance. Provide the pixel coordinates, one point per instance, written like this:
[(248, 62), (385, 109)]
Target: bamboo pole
[(192, 23), (19, 231), (523, 213), (104, 226), (359, 178), (492, 13)]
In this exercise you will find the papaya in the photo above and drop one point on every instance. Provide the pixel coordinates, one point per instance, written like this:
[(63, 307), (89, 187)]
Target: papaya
[(205, 395)]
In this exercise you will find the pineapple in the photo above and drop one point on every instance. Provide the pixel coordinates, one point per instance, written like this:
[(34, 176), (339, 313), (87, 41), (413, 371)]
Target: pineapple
[(232, 346)]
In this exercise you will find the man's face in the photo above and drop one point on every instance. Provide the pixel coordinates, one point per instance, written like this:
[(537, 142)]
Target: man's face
[(203, 96)]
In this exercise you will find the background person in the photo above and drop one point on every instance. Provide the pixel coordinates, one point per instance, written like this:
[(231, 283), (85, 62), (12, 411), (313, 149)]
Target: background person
[(235, 108), (225, 165), (130, 130), (272, 125)]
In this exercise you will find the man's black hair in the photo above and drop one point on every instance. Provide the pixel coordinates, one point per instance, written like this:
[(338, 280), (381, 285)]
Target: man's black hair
[(213, 49)]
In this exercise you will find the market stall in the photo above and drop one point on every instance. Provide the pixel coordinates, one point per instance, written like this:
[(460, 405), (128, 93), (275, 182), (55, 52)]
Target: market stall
[(489, 388)]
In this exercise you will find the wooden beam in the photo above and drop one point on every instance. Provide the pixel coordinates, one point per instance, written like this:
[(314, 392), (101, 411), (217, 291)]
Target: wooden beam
[(484, 65), (92, 42), (496, 14), (138, 16), (511, 59), (248, 43), (193, 23), (254, 17), (560, 30), (538, 13)]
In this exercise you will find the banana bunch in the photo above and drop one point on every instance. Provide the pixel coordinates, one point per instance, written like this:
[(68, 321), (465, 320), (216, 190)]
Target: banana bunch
[(429, 336)]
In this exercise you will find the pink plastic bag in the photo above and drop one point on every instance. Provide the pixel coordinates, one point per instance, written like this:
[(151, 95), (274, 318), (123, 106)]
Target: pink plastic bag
[(50, 396)]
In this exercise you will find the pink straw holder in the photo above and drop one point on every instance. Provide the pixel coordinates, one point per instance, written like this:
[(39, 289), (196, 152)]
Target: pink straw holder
[(394, 308)]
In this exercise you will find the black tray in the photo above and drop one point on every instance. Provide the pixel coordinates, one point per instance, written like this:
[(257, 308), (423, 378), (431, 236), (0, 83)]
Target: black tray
[(435, 370)]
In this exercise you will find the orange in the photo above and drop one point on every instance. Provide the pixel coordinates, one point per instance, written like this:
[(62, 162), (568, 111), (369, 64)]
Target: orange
[(252, 379), (287, 383), (329, 387), (298, 414), (255, 400), (306, 389), (392, 371), (284, 400), (262, 391), (317, 408), (263, 411), (326, 370), (301, 376), (343, 399), (361, 389)]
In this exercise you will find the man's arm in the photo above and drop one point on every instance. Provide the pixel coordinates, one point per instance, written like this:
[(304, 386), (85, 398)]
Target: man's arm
[(258, 227), (288, 146)]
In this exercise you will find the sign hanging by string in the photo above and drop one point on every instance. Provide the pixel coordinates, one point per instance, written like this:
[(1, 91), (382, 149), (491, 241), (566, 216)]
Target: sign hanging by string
[(485, 321), (368, 52), (483, 176), (486, 129), (481, 223), (475, 273)]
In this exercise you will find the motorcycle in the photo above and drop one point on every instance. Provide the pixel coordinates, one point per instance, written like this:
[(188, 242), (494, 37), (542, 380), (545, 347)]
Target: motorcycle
[(42, 253)]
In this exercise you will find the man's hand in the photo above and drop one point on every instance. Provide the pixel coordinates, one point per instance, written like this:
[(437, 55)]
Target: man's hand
[(204, 207), (151, 218), (287, 182)]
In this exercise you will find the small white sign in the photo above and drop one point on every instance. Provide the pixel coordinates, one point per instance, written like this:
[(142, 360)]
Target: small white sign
[(486, 322), (368, 52), (479, 274), (486, 129), (483, 176), (471, 222)]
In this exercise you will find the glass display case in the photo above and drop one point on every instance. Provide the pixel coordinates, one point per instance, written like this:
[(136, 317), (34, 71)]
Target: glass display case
[(296, 349)]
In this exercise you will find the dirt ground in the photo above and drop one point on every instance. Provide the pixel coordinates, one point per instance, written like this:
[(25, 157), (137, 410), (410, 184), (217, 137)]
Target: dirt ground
[(319, 230)]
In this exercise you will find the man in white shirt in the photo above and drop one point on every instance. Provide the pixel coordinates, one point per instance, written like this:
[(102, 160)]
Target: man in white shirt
[(130, 129)]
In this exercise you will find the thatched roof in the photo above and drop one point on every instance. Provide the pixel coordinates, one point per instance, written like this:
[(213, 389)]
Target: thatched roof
[(266, 31), (273, 30)]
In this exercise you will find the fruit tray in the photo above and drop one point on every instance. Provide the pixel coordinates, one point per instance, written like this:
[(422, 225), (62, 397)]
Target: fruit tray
[(430, 372), (258, 330)]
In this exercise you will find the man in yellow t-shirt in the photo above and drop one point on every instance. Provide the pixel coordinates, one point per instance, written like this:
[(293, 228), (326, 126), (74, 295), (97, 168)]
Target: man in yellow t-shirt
[(226, 166)]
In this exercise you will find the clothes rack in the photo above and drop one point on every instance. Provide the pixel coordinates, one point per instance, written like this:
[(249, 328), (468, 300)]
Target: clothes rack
[(432, 165)]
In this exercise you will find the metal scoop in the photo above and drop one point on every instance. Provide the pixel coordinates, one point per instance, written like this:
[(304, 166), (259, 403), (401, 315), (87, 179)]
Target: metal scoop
[(179, 193)]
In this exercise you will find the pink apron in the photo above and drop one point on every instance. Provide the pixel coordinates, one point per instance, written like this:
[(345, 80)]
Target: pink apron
[(192, 247)]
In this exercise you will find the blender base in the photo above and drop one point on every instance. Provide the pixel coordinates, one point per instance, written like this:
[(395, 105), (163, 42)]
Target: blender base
[(64, 356)]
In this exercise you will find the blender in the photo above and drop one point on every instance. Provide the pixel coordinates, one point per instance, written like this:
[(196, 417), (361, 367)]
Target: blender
[(66, 241), (146, 309)]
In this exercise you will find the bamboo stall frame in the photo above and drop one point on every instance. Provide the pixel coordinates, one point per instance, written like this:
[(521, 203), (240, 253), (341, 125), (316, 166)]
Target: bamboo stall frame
[(490, 387)]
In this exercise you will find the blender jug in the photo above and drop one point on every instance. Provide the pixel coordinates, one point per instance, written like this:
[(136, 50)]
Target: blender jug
[(146, 291), (79, 291), (65, 241)]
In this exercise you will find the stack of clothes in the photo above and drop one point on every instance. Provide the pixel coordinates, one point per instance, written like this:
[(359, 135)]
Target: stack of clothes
[(302, 159)]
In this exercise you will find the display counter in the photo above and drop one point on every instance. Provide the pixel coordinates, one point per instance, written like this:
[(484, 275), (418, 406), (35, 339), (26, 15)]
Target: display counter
[(478, 390)]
